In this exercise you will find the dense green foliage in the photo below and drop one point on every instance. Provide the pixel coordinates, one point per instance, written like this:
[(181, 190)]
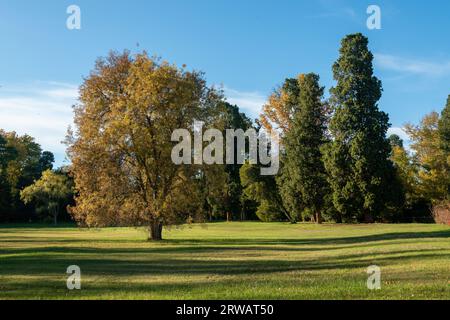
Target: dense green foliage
[(264, 191), (51, 193), (395, 141), (222, 184), (21, 163), (444, 138), (302, 182), (444, 127), (357, 160)]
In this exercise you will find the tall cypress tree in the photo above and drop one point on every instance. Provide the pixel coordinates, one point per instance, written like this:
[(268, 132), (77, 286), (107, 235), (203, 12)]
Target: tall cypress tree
[(444, 137), (357, 160), (444, 127), (303, 184)]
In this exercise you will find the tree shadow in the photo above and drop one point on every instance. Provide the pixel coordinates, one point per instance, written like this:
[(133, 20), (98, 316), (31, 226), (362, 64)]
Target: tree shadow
[(180, 258)]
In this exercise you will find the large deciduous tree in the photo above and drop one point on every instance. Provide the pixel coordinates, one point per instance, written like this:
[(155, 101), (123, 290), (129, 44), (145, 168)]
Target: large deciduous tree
[(121, 149), (303, 183), (430, 145), (357, 159), (407, 172)]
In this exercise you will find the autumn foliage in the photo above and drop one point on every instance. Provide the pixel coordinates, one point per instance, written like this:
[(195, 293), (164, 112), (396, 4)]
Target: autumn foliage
[(121, 148)]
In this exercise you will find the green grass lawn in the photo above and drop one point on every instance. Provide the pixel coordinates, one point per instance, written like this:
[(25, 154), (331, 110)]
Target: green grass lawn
[(228, 261)]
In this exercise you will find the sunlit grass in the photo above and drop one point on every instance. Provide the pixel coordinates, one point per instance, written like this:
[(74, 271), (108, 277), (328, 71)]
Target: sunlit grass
[(228, 261)]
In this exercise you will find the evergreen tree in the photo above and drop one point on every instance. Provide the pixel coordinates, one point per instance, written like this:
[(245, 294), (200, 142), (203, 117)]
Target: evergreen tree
[(444, 127), (357, 160), (303, 182), (395, 141), (444, 138), (222, 184)]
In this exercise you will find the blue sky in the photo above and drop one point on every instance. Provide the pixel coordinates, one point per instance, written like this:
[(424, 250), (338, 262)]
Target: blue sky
[(247, 46)]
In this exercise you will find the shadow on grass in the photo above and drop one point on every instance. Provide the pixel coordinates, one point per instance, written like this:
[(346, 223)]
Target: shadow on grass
[(184, 258), (244, 257), (191, 246), (4, 227), (246, 241), (154, 265), (324, 241), (54, 288)]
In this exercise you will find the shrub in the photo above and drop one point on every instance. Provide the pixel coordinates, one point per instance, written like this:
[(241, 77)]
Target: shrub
[(268, 213), (441, 213)]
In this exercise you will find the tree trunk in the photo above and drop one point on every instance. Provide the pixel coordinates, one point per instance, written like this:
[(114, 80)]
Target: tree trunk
[(156, 231), (339, 218), (288, 216), (318, 218), (55, 216), (228, 217)]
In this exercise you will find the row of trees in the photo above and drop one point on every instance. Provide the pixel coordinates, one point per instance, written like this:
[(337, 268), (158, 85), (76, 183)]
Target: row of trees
[(336, 158), (337, 164)]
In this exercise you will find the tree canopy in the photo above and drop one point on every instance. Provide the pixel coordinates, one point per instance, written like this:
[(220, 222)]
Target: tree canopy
[(303, 183), (51, 192), (121, 149), (21, 163), (357, 159)]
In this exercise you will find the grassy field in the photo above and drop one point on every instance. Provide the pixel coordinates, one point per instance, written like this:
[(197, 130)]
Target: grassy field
[(227, 261)]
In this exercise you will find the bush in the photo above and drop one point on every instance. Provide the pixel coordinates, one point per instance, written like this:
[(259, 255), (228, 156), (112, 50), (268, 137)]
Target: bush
[(268, 213), (441, 213)]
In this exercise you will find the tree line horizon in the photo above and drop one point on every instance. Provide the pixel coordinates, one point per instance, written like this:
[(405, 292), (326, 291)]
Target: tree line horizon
[(337, 163)]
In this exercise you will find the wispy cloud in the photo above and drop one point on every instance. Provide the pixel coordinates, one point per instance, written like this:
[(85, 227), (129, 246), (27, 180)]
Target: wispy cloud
[(64, 93), (413, 66), (334, 9), (249, 102), (42, 110), (338, 13), (402, 134)]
